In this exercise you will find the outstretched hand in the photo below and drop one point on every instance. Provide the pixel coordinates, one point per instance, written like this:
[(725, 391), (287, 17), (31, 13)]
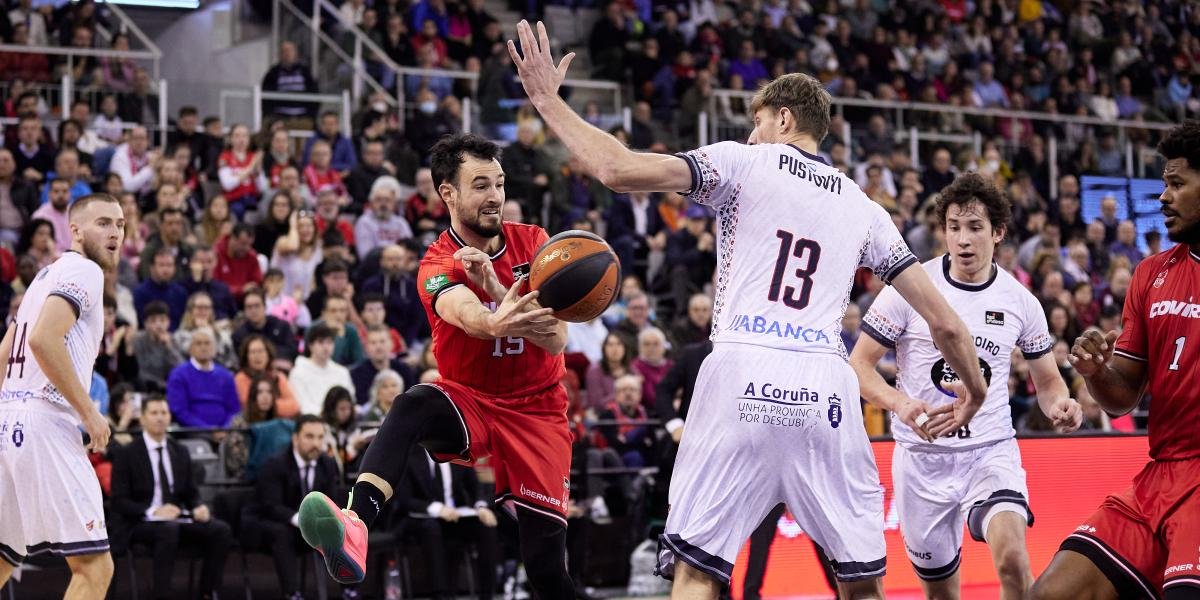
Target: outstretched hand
[(535, 65)]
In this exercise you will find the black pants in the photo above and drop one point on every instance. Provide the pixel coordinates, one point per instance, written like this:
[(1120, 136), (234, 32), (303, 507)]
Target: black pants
[(286, 546), (211, 539), (760, 550), (436, 536)]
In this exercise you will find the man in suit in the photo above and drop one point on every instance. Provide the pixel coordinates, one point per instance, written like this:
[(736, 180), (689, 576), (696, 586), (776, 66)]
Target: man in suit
[(436, 495), (155, 502), (636, 232), (283, 481)]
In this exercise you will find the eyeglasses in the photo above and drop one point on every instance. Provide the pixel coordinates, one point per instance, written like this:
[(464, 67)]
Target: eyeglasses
[(204, 306)]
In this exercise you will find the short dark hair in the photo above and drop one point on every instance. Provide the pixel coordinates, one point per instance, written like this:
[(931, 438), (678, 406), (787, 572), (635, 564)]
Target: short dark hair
[(188, 111), (253, 291), (156, 308), (449, 153), (328, 113), (154, 397), (209, 120), (84, 201), (303, 420), (973, 187), (374, 297), (1183, 142), (243, 229), (318, 332), (334, 265), (164, 213)]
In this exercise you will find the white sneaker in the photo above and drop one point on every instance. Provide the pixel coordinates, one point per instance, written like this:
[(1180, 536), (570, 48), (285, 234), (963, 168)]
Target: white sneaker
[(599, 511)]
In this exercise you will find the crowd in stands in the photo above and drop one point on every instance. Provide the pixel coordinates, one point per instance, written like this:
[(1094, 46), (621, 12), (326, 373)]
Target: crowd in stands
[(269, 287)]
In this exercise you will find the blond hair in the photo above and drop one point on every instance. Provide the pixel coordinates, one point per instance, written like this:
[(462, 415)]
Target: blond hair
[(804, 96)]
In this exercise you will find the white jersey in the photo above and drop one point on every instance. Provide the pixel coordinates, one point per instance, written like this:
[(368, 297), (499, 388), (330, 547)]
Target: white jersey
[(80, 282), (1000, 314), (791, 232)]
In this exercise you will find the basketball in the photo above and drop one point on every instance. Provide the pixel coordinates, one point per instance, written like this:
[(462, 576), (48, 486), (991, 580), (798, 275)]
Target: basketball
[(576, 274)]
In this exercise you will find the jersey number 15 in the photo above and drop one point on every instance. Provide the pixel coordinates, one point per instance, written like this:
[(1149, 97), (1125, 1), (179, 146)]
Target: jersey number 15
[(809, 253)]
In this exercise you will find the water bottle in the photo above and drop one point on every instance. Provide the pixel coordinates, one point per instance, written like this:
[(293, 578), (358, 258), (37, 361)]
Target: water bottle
[(391, 584)]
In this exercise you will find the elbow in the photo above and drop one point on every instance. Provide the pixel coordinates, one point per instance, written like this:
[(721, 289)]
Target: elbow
[(948, 331)]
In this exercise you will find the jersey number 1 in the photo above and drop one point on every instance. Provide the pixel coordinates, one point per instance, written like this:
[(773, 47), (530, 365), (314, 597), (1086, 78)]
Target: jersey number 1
[(1179, 342), (810, 253), (16, 356)]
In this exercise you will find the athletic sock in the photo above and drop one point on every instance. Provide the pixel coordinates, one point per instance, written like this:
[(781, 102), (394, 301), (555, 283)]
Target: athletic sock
[(366, 501)]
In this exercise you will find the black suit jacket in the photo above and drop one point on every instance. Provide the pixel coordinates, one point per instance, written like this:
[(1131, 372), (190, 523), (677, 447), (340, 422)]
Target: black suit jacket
[(421, 490), (278, 488), (133, 483), (681, 376), (621, 221)]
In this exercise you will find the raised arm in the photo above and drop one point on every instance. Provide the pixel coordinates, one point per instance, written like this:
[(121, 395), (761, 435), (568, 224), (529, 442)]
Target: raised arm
[(616, 166)]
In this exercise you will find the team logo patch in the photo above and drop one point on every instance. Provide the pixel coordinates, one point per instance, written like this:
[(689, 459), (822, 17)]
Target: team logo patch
[(520, 270), (435, 283), (942, 374), (994, 317), (835, 411), (18, 435), (1161, 279)]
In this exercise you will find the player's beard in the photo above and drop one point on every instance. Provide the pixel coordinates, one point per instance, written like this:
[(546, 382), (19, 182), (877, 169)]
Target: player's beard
[(97, 253), (1189, 236), (478, 228)]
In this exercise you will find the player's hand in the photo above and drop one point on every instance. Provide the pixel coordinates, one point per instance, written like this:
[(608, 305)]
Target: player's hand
[(97, 429), (515, 318), (200, 514), (952, 417), (487, 518), (448, 514), (167, 511), (910, 412), (1092, 351), (677, 435), (1066, 415), (535, 66), (478, 266)]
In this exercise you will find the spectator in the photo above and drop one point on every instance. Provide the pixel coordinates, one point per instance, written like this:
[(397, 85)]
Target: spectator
[(238, 168), (315, 374), (379, 359), (637, 317), (55, 211), (123, 413), (276, 158), (651, 363), (363, 176), (200, 391), (34, 158), (283, 481), (441, 491), (18, 199), (134, 161), (429, 124), (256, 355), (202, 267), (199, 316), (380, 226), (140, 105), (66, 167), (748, 68), (187, 133), (577, 196), (348, 349), (70, 136), (269, 434), (345, 441), (636, 231), (396, 283), (329, 131), (987, 92), (601, 375), (297, 255), (632, 440), (274, 224), (155, 502), (292, 76), (329, 217), (237, 262), (696, 325), (108, 124), (1126, 244), (526, 170), (161, 286), (320, 176), (26, 15), (216, 222), (424, 210), (277, 332), (38, 244), (383, 392), (374, 314), (691, 257), (154, 349)]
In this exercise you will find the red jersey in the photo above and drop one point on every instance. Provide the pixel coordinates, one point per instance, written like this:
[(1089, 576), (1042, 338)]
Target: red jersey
[(245, 189), (1162, 328), (500, 367)]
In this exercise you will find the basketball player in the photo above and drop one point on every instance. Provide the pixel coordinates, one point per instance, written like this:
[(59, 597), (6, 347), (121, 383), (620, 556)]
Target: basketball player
[(974, 473), (49, 496), (1145, 541), (776, 414), (500, 358)]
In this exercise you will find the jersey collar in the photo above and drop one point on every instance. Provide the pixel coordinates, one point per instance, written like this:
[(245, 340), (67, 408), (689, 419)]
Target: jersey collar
[(809, 155), (461, 243), (1194, 255), (970, 287)]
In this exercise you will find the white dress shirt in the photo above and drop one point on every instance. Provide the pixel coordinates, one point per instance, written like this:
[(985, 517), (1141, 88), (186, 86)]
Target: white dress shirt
[(301, 464), (152, 448)]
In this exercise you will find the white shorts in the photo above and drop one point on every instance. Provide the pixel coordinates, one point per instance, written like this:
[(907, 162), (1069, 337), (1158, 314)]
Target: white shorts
[(50, 499), (936, 492), (769, 426)]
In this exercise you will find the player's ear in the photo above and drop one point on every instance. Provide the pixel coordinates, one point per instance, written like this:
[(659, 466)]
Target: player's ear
[(447, 192)]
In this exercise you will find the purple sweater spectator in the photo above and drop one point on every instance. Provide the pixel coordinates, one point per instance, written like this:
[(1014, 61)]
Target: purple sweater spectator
[(751, 72), (201, 398)]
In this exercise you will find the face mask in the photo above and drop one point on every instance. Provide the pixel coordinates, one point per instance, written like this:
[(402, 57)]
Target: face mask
[(993, 165), (380, 107), (427, 107)]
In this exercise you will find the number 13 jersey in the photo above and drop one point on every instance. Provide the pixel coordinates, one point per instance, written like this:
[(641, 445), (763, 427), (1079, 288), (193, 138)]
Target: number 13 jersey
[(80, 282), (1000, 314), (791, 233)]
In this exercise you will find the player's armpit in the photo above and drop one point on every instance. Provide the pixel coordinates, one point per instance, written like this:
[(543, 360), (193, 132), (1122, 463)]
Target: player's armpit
[(460, 307)]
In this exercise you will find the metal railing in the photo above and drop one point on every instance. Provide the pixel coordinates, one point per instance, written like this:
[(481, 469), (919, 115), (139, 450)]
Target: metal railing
[(318, 37), (256, 95)]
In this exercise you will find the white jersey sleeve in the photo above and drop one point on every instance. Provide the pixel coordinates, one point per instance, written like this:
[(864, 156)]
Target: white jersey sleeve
[(888, 318), (1035, 340), (886, 252), (717, 170), (80, 282)]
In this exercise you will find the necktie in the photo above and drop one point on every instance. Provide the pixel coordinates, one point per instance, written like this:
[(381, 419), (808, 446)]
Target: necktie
[(306, 477), (164, 484), (438, 481)]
